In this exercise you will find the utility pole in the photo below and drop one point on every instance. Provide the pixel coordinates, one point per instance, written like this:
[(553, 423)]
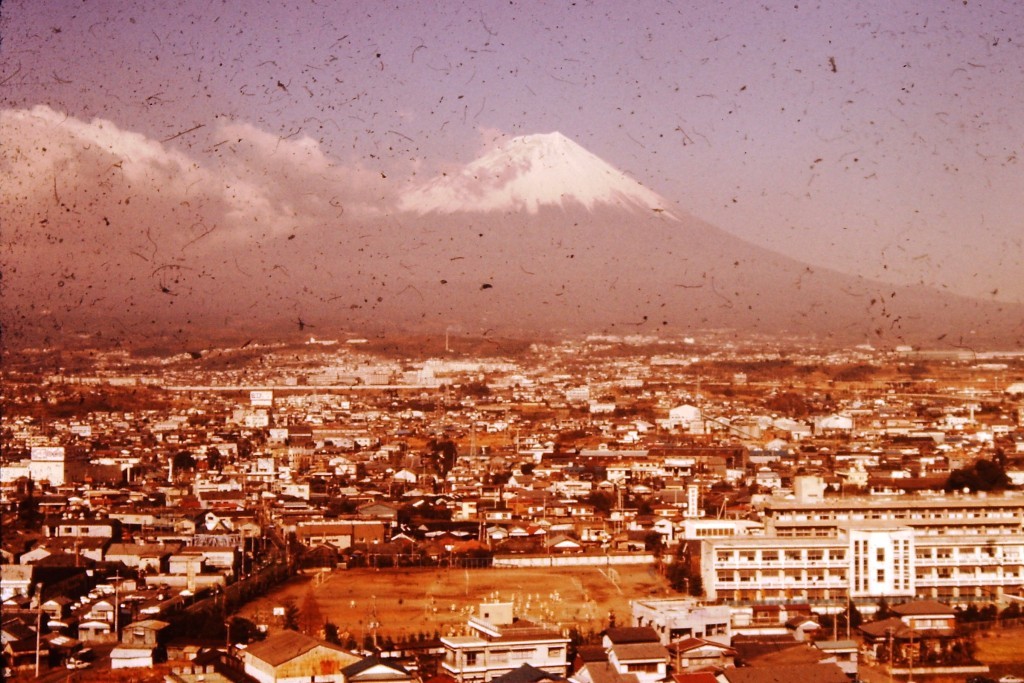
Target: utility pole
[(39, 624), (891, 632), (117, 605), (910, 669)]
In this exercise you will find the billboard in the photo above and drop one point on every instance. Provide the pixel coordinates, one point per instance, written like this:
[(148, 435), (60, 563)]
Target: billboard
[(48, 453), (261, 398)]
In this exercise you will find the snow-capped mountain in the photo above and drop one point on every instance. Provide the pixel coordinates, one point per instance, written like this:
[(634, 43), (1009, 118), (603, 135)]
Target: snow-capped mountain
[(527, 173), (536, 236), (540, 234)]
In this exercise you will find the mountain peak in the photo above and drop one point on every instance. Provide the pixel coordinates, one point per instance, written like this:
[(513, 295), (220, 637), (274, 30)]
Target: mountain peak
[(528, 172)]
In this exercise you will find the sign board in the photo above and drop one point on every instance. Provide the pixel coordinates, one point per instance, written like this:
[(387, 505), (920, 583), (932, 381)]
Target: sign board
[(261, 398), (48, 453)]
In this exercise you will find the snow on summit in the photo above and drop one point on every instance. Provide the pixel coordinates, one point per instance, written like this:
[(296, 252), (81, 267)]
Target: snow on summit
[(529, 172)]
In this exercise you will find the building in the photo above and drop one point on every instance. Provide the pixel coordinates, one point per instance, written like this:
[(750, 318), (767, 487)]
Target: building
[(951, 548), (675, 618), (501, 643), (695, 654), (376, 670), (291, 657), (636, 651)]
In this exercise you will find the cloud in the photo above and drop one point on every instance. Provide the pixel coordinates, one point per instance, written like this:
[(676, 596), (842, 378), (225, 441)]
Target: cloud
[(99, 218)]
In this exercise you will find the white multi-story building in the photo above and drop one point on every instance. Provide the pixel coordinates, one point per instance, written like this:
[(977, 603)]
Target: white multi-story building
[(675, 618), (950, 548), (501, 643)]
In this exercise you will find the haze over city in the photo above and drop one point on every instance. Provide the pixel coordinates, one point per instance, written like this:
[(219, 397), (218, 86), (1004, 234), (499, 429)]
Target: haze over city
[(206, 164)]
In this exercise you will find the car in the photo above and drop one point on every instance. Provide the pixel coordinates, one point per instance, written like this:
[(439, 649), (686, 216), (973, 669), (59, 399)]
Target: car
[(77, 664), (1010, 678)]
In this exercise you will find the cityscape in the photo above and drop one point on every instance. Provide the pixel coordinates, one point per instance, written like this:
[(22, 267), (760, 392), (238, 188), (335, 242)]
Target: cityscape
[(599, 508), (480, 342)]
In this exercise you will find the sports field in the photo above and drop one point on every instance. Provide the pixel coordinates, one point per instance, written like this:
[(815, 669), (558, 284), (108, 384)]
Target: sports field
[(408, 602)]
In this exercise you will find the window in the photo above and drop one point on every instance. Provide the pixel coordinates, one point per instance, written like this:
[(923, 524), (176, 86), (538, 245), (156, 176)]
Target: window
[(554, 652), (471, 657)]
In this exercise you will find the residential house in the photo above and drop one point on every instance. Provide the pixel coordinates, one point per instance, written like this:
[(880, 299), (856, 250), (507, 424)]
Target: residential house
[(844, 653), (376, 670), (692, 654), (674, 618), (636, 650), (500, 643), (15, 579), (784, 673)]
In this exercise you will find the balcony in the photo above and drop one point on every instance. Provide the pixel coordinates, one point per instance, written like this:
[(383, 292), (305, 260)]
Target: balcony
[(771, 564)]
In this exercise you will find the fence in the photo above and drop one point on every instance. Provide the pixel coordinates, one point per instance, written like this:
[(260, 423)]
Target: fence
[(573, 560)]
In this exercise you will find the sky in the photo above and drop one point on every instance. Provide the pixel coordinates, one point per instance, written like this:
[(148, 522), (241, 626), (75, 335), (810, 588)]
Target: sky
[(876, 138)]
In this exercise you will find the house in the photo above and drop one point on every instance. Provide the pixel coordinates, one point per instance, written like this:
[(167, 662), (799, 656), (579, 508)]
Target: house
[(144, 633), (527, 674), (341, 534), (601, 672), (500, 643), (636, 650), (376, 670), (926, 615), (920, 629), (647, 660), (691, 654), (21, 654), (131, 657), (15, 579), (146, 557), (843, 653), (785, 673), (803, 627), (562, 544), (290, 656), (674, 618), (58, 607), (95, 631)]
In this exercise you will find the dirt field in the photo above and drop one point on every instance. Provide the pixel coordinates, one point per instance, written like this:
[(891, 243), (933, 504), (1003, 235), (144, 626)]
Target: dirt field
[(1002, 650), (410, 602)]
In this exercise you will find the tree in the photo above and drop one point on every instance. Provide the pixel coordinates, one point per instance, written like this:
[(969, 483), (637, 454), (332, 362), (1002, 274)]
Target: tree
[(653, 542), (445, 453), (852, 615), (213, 459), (28, 511), (310, 619), (183, 461), (983, 475), (291, 615), (331, 634), (242, 630), (601, 500)]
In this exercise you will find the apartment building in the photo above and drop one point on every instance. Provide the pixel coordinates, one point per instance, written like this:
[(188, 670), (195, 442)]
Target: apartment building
[(950, 548), (500, 643)]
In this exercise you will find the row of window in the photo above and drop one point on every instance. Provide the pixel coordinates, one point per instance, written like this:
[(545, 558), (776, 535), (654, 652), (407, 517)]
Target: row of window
[(474, 657)]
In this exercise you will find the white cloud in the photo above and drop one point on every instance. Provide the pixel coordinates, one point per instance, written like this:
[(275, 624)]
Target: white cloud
[(92, 212)]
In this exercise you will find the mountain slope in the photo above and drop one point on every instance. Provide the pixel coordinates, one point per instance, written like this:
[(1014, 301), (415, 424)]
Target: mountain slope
[(541, 234), (537, 236)]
